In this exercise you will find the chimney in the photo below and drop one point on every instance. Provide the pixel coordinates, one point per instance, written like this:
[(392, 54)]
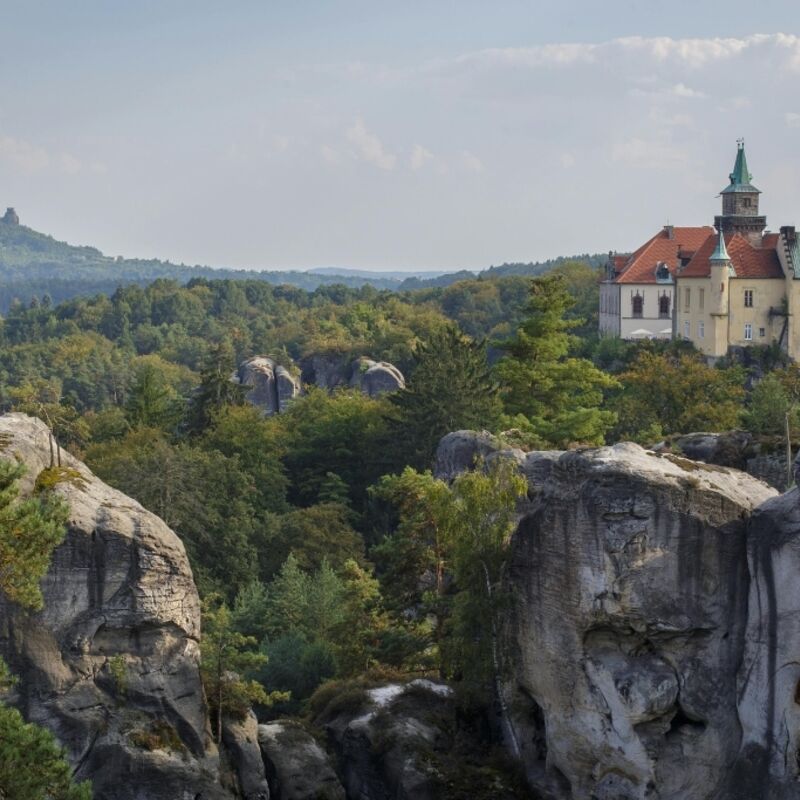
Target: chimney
[(670, 231)]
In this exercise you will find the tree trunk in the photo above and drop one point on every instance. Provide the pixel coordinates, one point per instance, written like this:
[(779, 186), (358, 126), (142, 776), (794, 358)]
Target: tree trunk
[(52, 455), (507, 725)]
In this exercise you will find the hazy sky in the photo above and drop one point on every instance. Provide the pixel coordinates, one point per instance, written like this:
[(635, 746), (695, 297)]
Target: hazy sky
[(377, 134)]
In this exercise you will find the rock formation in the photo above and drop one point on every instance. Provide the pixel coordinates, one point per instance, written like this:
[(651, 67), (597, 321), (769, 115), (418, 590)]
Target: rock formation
[(110, 665), (273, 386), (763, 457), (297, 766), (406, 742), (372, 377), (11, 217), (653, 643), (375, 378)]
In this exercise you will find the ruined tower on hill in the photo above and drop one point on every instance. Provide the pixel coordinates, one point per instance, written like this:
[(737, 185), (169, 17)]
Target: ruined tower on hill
[(11, 217)]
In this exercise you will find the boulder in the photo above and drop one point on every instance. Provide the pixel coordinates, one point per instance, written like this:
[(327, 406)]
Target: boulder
[(404, 741), (461, 451), (375, 378), (297, 766), (111, 663), (272, 386), (650, 618), (241, 742)]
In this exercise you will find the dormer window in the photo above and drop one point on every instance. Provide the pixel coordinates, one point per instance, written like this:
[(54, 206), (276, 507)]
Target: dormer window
[(662, 273)]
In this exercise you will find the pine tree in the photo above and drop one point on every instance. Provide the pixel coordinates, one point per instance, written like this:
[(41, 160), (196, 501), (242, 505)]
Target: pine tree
[(451, 388), (553, 397)]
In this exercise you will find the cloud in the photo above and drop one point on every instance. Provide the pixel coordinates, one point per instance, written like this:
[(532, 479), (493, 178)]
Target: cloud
[(567, 160), (648, 153), (792, 119), (23, 155), (419, 157), (31, 158), (470, 161), (369, 147), (682, 90)]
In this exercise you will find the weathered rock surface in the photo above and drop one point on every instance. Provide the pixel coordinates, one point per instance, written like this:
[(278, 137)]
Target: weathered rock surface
[(241, 742), (273, 387), (404, 742), (297, 766), (762, 457), (654, 637), (461, 451), (110, 665), (372, 377), (375, 378)]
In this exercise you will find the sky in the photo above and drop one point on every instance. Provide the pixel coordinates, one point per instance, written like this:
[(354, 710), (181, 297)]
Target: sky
[(390, 135)]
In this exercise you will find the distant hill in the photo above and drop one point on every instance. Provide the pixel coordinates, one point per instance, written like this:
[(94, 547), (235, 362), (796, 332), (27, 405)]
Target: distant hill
[(35, 265)]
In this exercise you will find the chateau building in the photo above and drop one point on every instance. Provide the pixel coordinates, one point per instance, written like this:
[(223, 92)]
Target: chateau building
[(736, 285)]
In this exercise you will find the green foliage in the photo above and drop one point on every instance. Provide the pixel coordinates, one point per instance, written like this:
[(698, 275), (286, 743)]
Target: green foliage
[(32, 766), (667, 393), (227, 657), (312, 536), (30, 530), (450, 389), (206, 497), (119, 674), (553, 397), (339, 433)]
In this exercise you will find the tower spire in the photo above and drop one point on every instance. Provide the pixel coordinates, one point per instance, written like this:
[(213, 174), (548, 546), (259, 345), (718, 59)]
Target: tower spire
[(740, 175), (721, 253)]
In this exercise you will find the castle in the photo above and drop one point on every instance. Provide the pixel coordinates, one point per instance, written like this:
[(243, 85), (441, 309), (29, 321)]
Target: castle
[(734, 284), (11, 217)]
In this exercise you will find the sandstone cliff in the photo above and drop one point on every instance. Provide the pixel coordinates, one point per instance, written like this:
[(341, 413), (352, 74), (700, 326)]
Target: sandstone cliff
[(110, 665), (652, 649)]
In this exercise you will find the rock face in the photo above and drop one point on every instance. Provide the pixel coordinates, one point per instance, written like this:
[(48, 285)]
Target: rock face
[(241, 742), (764, 457), (372, 377), (110, 665), (653, 642), (404, 742), (297, 767), (273, 386), (375, 378)]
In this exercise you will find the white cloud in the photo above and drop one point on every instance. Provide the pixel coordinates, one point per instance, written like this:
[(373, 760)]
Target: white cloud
[(682, 90), (23, 155), (369, 147), (471, 162), (419, 157), (648, 154), (792, 119)]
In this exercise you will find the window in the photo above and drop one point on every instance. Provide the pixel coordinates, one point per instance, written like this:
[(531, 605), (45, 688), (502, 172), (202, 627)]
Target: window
[(701, 298), (687, 296), (762, 332), (748, 298), (746, 202), (686, 329), (637, 303), (701, 330), (663, 306), (748, 332)]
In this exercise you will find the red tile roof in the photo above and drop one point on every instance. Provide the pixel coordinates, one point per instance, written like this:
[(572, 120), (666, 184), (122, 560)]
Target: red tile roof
[(641, 265), (748, 261)]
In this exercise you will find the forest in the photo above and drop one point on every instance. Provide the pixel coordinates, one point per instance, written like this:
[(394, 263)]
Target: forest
[(326, 552)]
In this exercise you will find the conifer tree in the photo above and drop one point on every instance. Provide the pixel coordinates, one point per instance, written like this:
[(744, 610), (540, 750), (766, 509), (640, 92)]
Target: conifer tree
[(451, 388), (553, 397)]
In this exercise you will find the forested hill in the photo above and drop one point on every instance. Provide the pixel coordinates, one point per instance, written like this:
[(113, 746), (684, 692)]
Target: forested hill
[(35, 265)]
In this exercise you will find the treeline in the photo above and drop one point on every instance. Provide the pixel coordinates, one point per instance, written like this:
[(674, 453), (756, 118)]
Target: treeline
[(319, 539)]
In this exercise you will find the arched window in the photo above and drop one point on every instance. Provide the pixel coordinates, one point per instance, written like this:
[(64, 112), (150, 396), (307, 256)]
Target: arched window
[(663, 306), (637, 302)]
